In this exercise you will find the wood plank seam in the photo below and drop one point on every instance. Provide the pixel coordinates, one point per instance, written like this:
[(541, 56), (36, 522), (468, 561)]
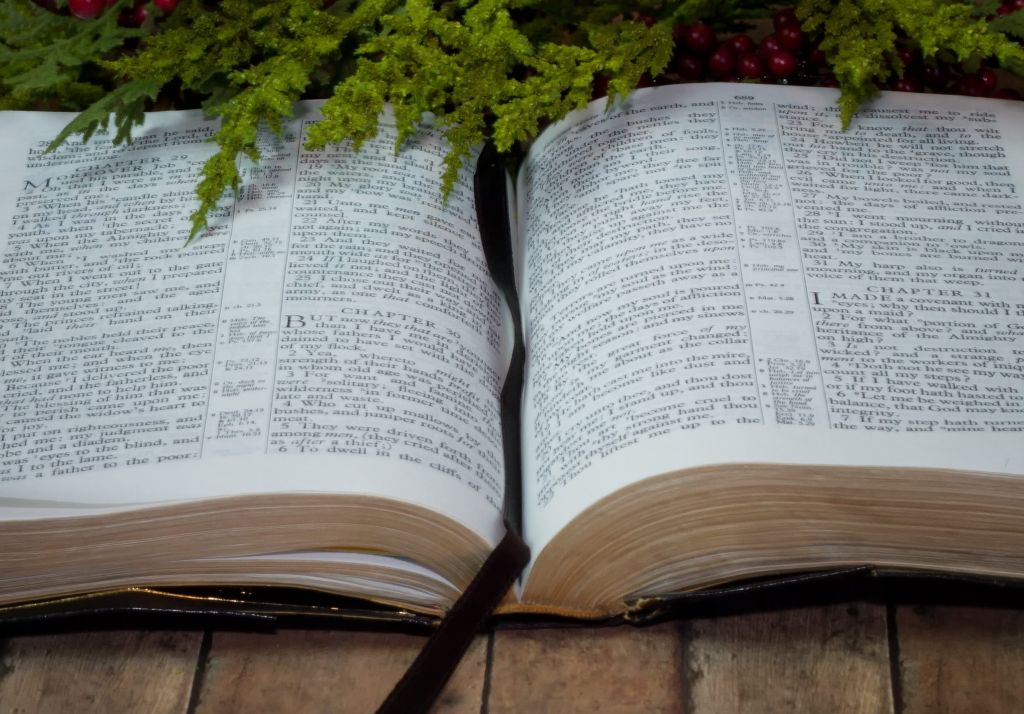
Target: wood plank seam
[(688, 674), (485, 695), (5, 667), (895, 659), (199, 675)]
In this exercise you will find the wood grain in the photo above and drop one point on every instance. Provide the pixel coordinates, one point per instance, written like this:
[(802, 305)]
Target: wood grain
[(816, 659), (324, 671), (611, 670), (960, 659), (100, 672)]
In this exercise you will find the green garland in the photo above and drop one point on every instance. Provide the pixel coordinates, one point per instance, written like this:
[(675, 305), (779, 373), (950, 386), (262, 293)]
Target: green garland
[(497, 69)]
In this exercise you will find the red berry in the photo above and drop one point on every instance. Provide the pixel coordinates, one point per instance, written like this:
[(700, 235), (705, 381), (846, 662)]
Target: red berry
[(690, 68), (643, 17), (909, 57), (1004, 9), (699, 38), (988, 79), (784, 17), (134, 16), (165, 6), (906, 84), (935, 76), (769, 46), (600, 86), (816, 58), (750, 66), (805, 74), (87, 9), (791, 37), (970, 86), (741, 44), (1006, 93), (721, 63), (782, 64), (1017, 4)]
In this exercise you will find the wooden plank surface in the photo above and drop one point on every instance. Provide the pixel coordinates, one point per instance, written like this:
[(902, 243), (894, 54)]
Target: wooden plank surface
[(814, 659), (613, 670), (102, 672), (833, 659), (960, 659), (323, 671)]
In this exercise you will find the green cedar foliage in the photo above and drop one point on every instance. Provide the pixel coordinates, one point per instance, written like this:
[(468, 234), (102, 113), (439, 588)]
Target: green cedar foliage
[(478, 69), (51, 60)]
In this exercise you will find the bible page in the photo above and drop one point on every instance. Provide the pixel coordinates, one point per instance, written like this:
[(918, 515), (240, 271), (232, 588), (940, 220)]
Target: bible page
[(720, 274), (334, 329)]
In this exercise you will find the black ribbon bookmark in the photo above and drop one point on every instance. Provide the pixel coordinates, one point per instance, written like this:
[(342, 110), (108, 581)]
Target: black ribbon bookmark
[(416, 692)]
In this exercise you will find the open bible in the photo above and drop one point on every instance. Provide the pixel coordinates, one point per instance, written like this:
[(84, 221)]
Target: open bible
[(755, 344)]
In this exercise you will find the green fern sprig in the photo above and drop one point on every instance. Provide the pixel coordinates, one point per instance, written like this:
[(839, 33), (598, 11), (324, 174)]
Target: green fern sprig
[(484, 69), (860, 39), (257, 60), (46, 58), (468, 65)]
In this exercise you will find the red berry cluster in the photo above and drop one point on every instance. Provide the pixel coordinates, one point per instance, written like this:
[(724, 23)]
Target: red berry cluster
[(786, 55), (134, 16), (789, 56), (947, 78), (1010, 6)]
